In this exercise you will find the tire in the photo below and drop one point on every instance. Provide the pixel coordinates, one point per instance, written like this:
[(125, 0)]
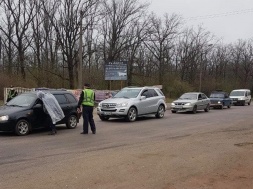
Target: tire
[(104, 118), (207, 108), (22, 127), (194, 110), (72, 122), (160, 112), (249, 102), (173, 111), (131, 114), (229, 106)]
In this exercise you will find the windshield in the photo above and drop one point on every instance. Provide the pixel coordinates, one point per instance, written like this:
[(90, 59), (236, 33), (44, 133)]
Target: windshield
[(189, 96), (127, 93), (217, 95), (237, 93), (22, 101)]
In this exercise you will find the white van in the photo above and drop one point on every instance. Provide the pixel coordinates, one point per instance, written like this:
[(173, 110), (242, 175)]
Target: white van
[(241, 96)]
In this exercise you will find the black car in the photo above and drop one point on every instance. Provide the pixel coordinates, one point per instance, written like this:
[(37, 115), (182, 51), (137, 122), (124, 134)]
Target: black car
[(25, 112), (219, 99)]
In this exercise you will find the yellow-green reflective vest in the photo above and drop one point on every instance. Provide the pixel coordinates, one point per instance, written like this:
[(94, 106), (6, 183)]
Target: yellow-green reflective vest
[(88, 97)]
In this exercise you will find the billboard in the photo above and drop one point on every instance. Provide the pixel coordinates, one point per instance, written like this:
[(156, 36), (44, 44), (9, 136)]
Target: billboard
[(116, 70)]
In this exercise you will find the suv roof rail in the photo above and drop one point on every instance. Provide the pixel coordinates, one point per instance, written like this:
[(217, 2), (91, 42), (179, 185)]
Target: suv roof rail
[(132, 86)]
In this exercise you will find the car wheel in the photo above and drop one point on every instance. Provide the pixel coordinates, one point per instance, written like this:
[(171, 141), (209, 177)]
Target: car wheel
[(207, 108), (104, 118), (160, 111), (72, 122), (132, 114), (249, 102), (173, 111), (229, 106), (22, 127), (194, 110)]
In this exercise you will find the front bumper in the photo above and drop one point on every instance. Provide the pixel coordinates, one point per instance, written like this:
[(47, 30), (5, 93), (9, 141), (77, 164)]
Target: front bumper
[(7, 125), (238, 101), (214, 105), (181, 108), (113, 112)]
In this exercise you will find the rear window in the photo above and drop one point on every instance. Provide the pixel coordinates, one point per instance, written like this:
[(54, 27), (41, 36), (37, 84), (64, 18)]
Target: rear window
[(61, 98), (159, 91), (71, 98)]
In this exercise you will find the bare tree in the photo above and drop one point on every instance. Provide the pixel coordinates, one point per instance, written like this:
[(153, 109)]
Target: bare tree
[(66, 24), (118, 14), (161, 38), (6, 41), (192, 54), (20, 13)]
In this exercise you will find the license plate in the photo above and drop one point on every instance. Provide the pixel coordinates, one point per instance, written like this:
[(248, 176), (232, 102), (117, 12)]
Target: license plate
[(179, 107), (107, 113)]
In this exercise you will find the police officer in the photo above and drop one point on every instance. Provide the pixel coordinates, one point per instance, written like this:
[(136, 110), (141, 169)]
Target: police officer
[(11, 94), (87, 100)]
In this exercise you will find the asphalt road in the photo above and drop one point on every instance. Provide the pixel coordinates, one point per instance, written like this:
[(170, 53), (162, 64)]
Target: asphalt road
[(181, 150)]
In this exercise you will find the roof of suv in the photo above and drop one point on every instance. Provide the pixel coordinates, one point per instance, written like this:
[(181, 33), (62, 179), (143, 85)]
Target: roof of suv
[(52, 91), (145, 87)]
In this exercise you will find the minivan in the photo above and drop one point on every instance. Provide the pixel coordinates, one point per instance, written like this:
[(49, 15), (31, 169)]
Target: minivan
[(241, 96)]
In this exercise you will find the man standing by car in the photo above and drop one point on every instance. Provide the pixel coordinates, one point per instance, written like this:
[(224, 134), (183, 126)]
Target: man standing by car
[(11, 94), (87, 100), (51, 107)]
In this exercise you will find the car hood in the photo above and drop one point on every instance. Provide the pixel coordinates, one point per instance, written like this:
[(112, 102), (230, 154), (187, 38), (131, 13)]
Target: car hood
[(116, 100), (7, 110), (184, 101)]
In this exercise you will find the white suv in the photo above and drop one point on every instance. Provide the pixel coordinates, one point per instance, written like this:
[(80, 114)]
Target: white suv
[(131, 102)]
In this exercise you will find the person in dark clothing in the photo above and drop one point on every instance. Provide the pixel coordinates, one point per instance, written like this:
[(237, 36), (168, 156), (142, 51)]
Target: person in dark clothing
[(11, 94), (49, 122), (52, 108), (87, 100)]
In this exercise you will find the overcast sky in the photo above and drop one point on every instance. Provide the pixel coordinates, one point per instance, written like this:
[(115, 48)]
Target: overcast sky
[(228, 20)]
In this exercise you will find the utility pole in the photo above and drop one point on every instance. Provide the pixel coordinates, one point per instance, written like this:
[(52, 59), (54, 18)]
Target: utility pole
[(80, 54)]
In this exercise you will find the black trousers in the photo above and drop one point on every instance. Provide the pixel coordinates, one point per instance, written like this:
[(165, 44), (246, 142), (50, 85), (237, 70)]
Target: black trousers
[(50, 123), (88, 119)]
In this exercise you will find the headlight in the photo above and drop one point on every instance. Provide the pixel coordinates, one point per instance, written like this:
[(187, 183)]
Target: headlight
[(99, 104), (188, 104), (4, 118), (219, 102), (173, 104), (124, 104)]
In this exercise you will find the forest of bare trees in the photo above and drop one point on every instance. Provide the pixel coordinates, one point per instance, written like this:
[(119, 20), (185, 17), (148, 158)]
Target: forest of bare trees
[(41, 41)]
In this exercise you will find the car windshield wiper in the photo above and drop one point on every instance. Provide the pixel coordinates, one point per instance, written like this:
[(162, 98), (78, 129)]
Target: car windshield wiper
[(15, 105)]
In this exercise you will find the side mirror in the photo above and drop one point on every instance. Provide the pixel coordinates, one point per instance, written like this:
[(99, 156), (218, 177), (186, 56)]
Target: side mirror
[(143, 97)]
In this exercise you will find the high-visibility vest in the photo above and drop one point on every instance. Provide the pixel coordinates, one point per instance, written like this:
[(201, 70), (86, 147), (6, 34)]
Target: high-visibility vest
[(88, 97)]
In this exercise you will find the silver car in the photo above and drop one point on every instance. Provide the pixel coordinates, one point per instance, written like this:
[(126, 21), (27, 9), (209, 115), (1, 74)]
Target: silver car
[(131, 102), (192, 101)]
